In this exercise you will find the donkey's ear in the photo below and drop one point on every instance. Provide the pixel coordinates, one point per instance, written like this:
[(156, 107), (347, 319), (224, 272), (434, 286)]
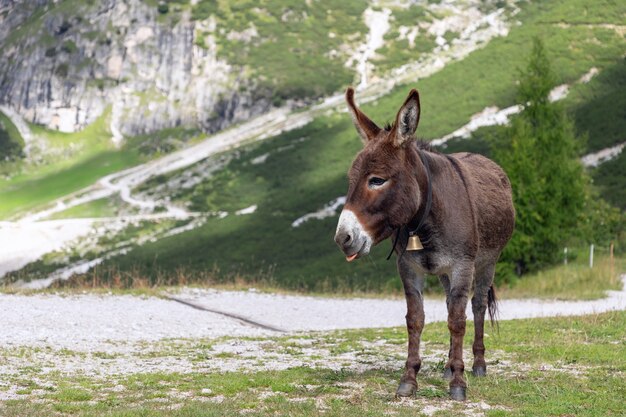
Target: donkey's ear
[(366, 128), (407, 119)]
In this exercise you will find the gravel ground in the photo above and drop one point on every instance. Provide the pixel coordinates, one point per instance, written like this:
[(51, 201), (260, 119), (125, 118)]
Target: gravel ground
[(107, 323), (108, 337)]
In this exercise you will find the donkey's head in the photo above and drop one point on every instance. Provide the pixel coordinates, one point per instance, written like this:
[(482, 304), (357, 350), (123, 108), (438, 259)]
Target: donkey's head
[(383, 191)]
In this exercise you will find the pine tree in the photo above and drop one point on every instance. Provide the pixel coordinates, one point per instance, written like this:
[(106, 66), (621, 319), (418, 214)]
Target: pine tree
[(541, 160)]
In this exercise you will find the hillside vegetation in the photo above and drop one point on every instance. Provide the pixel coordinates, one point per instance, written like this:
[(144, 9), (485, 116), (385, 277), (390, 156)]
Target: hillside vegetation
[(305, 169), (277, 53), (302, 170)]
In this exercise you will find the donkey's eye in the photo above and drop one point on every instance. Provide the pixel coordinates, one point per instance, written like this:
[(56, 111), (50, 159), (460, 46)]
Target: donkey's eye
[(375, 182)]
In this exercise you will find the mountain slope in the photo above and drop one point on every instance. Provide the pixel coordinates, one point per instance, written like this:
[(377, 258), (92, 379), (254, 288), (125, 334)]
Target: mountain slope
[(273, 183), (162, 59), (301, 171)]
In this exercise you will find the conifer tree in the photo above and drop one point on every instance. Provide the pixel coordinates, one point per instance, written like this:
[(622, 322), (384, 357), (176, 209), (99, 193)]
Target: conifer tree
[(541, 159)]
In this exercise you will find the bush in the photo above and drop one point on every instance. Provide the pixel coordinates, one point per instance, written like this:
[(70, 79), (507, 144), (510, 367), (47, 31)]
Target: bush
[(163, 8), (62, 70), (69, 47)]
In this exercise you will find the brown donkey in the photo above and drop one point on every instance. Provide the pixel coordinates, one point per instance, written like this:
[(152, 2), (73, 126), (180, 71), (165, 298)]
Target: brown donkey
[(459, 206)]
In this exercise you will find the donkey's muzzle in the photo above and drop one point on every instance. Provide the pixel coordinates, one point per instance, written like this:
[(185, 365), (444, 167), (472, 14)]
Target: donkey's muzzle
[(353, 240)]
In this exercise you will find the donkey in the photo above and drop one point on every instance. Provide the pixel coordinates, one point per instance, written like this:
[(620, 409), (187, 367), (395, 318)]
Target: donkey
[(459, 205)]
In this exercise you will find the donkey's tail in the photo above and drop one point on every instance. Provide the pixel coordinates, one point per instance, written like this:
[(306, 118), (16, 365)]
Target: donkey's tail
[(492, 305)]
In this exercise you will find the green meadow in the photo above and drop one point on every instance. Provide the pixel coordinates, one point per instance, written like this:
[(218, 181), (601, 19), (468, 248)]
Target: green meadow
[(536, 367)]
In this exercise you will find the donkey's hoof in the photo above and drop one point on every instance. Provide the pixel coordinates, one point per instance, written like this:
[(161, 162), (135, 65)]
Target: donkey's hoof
[(406, 389), (447, 373), (479, 371), (458, 393)]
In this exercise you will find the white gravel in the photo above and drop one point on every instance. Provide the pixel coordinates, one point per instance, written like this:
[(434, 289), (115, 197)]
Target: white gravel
[(301, 313), (604, 155), (24, 242), (378, 24), (107, 322)]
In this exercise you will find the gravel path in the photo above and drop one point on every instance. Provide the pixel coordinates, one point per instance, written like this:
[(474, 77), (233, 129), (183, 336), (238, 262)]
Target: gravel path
[(107, 323)]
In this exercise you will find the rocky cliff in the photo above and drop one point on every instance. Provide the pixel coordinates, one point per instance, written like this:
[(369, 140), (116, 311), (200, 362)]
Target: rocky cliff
[(64, 64)]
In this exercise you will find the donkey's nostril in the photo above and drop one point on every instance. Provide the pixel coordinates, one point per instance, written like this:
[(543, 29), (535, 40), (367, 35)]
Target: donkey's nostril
[(343, 239)]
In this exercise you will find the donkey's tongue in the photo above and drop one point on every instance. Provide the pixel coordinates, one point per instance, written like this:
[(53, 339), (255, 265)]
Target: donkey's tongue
[(352, 257)]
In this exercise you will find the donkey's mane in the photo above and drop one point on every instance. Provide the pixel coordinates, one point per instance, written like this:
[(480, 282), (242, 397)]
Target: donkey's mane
[(425, 146)]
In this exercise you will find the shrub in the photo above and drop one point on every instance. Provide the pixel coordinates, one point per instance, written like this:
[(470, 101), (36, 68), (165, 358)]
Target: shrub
[(163, 8)]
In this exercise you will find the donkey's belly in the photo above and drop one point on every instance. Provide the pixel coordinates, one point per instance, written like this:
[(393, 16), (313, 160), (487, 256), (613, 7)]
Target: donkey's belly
[(431, 262)]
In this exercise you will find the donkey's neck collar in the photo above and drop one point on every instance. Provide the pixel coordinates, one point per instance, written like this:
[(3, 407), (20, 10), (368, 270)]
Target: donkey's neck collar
[(429, 195), (427, 206)]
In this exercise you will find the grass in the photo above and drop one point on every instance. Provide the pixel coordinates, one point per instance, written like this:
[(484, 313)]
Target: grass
[(598, 108), (537, 367), (102, 207), (31, 190), (397, 51), (575, 281), (294, 55), (610, 178), (67, 172), (63, 171)]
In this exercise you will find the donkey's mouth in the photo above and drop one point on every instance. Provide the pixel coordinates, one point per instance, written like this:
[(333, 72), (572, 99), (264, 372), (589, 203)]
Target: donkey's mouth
[(358, 253)]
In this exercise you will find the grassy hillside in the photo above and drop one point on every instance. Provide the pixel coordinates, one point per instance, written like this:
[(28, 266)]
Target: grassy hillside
[(291, 50), (72, 161), (287, 45), (610, 178), (599, 107), (302, 170), (68, 163), (309, 170), (298, 50)]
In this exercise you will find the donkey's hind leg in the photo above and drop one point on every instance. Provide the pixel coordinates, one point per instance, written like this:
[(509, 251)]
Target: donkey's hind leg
[(413, 286), (480, 300)]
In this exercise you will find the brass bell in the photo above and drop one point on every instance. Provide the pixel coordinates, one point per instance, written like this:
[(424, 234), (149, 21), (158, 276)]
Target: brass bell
[(414, 243)]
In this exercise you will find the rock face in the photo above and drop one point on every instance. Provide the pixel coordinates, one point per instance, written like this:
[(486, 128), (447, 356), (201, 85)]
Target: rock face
[(63, 64)]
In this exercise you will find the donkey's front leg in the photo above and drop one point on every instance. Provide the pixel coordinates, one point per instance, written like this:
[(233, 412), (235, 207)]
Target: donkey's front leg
[(460, 283), (413, 286)]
